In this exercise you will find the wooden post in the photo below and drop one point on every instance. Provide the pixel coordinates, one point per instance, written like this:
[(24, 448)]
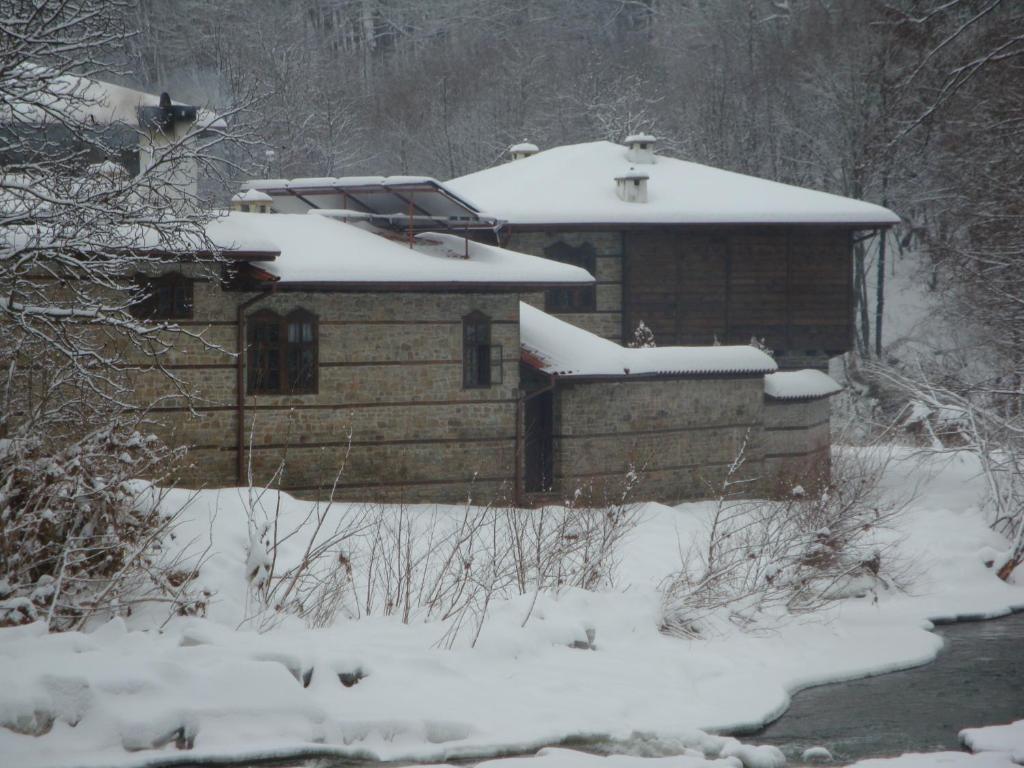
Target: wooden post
[(880, 290)]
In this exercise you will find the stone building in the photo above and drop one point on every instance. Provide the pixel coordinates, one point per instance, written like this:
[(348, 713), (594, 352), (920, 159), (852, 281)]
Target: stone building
[(685, 418), (382, 337), (370, 365), (364, 362), (700, 255), (580, 410)]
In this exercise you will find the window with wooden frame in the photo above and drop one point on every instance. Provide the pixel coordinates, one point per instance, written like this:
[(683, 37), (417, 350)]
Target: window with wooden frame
[(301, 350), (283, 356), (164, 297), (481, 360), (576, 299)]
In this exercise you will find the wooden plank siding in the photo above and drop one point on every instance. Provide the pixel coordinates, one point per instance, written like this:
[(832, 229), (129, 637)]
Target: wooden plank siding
[(789, 286)]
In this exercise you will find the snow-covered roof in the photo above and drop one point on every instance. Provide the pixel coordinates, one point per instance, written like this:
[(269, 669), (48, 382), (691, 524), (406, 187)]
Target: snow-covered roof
[(640, 138), (84, 99), (561, 349), (807, 384), (319, 249), (574, 184), (524, 146)]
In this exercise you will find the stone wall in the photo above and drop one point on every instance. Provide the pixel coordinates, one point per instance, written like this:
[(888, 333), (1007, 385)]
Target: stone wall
[(797, 442), (392, 411), (390, 406), (680, 434), (606, 320)]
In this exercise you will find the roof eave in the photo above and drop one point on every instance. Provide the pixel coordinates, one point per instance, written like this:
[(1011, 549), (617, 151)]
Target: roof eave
[(800, 398), (410, 286), (604, 225), (657, 376)]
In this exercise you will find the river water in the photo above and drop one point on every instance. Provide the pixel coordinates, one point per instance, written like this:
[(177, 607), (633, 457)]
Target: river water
[(977, 679)]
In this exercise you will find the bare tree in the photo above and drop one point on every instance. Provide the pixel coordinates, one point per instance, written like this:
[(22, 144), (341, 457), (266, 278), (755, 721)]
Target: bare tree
[(77, 228)]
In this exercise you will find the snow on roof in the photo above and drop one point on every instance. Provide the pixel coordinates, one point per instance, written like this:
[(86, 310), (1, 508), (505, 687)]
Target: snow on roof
[(321, 249), (575, 184), (640, 138), (524, 146), (800, 385), (252, 196), (561, 349), (87, 99)]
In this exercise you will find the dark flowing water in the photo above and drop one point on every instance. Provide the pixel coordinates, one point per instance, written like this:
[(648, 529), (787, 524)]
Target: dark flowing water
[(977, 679)]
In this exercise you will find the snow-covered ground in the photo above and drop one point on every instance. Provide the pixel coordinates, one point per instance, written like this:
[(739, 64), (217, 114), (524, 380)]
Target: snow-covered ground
[(131, 692)]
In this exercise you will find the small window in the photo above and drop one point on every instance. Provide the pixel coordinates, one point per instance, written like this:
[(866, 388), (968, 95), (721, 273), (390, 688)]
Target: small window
[(481, 360), (165, 297), (245, 208), (283, 353), (579, 299)]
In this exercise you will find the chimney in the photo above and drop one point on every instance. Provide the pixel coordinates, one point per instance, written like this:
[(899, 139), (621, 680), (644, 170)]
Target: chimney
[(523, 149), (632, 186), (251, 201), (641, 148), (161, 128)]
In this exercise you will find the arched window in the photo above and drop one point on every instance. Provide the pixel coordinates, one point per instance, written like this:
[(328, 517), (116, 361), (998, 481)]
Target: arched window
[(283, 353), (266, 352), (481, 360), (164, 297), (302, 352)]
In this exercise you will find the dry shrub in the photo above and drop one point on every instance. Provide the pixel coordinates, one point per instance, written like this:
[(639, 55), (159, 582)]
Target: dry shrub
[(768, 560), (81, 537), (430, 563)]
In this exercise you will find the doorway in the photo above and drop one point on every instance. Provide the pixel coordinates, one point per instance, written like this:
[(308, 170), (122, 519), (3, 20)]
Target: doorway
[(539, 415)]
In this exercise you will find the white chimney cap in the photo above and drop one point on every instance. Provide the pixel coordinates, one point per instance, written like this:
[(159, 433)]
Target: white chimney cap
[(632, 174), (641, 138), (252, 196), (524, 148)]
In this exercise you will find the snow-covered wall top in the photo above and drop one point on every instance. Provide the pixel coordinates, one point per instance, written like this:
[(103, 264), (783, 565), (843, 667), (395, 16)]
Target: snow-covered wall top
[(575, 184), (321, 249), (800, 385), (564, 350)]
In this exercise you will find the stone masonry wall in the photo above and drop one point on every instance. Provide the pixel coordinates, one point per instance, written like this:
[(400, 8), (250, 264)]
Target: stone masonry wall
[(681, 434), (390, 408), (606, 320), (797, 440)]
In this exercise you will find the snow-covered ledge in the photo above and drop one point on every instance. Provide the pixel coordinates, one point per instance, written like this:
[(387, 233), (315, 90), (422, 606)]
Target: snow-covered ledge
[(807, 384)]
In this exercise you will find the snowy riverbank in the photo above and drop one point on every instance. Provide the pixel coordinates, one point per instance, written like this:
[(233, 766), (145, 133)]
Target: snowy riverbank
[(130, 693)]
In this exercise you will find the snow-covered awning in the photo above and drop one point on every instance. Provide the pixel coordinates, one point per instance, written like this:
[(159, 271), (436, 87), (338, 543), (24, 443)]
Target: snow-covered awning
[(574, 185), (419, 202), (807, 384), (558, 348)]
